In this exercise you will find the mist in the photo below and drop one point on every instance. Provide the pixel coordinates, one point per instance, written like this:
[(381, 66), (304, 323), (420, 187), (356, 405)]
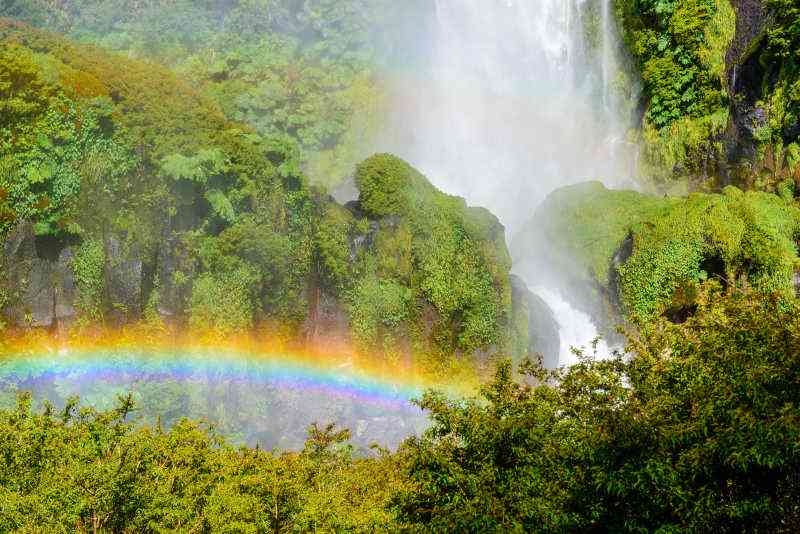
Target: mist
[(509, 100)]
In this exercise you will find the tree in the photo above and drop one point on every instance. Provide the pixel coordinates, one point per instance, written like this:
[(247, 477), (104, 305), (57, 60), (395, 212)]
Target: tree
[(698, 430)]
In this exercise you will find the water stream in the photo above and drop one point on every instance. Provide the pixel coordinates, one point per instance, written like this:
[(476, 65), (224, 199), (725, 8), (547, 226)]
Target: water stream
[(514, 100)]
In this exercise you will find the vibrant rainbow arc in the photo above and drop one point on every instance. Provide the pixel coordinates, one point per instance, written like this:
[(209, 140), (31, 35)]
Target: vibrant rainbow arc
[(131, 357)]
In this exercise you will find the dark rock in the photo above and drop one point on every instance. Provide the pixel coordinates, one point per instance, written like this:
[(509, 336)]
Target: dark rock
[(172, 296), (345, 192), (363, 241), (543, 331), (37, 279), (745, 75), (543, 335), (38, 303), (66, 292), (123, 272), (327, 324)]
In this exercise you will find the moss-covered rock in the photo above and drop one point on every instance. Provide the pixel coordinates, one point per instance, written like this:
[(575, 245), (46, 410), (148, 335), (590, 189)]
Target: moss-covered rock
[(651, 254), (419, 269)]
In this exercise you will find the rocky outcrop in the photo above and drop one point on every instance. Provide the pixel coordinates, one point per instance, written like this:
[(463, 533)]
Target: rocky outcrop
[(38, 281), (123, 274), (745, 75)]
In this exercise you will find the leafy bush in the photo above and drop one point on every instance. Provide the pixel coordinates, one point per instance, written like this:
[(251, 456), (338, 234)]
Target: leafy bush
[(83, 470), (223, 302), (696, 431)]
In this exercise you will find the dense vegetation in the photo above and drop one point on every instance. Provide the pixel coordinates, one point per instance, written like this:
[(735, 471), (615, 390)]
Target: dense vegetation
[(654, 254), (720, 89), (698, 431), (680, 48), (301, 71), (167, 163), (168, 210)]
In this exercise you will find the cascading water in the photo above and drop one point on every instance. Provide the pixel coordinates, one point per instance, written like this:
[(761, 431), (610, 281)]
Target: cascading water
[(515, 99)]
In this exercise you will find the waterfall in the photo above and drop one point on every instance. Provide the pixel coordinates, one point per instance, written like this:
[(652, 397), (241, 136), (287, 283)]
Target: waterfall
[(512, 100)]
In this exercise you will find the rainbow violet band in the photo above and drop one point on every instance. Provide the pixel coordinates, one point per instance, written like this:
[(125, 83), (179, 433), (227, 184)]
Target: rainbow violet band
[(130, 357), (276, 370)]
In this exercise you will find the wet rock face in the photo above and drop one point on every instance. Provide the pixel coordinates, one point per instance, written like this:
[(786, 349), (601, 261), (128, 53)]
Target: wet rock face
[(327, 324), (38, 280), (745, 76), (173, 264), (543, 335), (123, 271), (64, 288), (543, 331)]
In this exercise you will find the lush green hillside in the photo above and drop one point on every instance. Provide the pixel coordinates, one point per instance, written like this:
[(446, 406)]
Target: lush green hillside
[(131, 196), (300, 71), (720, 90)]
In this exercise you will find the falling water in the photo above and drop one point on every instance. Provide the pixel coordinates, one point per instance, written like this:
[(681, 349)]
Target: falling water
[(514, 100)]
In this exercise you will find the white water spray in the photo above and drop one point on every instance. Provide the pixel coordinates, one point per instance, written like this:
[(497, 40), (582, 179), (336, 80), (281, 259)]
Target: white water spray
[(514, 101), (575, 328)]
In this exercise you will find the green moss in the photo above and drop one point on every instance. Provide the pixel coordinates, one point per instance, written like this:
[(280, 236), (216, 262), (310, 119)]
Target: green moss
[(677, 243), (751, 233), (378, 308), (389, 186), (452, 257), (589, 223)]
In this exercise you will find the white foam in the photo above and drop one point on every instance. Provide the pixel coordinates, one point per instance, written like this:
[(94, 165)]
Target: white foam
[(576, 329)]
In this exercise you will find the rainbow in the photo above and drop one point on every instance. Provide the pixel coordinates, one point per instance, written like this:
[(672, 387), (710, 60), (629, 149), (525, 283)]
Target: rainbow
[(336, 383), (284, 371)]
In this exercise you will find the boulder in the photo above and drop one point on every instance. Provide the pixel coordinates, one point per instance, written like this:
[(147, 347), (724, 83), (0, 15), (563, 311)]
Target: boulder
[(543, 335)]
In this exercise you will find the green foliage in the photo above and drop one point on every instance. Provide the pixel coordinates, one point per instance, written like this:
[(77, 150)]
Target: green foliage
[(124, 148), (301, 71), (753, 234), (223, 302), (46, 137), (695, 432), (88, 471), (378, 309), (198, 168), (24, 96), (675, 243), (597, 220), (88, 267), (695, 429), (680, 47), (333, 246), (452, 256)]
